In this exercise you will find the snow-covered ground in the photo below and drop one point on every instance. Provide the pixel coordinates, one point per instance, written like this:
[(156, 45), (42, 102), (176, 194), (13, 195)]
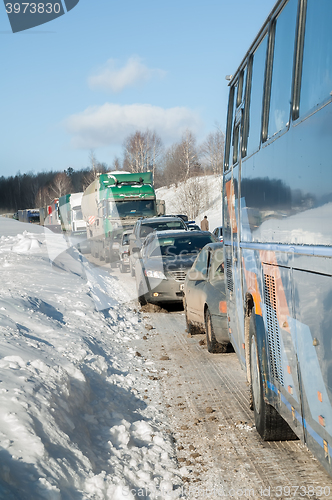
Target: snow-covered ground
[(212, 183), (78, 411)]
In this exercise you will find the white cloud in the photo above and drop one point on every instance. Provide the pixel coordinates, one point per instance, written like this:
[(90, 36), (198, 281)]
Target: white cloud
[(110, 124), (110, 77)]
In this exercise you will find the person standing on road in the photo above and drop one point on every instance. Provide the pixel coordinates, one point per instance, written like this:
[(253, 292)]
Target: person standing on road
[(205, 224)]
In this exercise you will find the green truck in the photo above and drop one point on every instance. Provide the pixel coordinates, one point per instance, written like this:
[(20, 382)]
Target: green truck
[(111, 204)]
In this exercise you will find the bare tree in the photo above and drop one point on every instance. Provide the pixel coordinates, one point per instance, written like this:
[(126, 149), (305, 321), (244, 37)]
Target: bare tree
[(96, 168), (172, 173), (181, 160), (189, 158), (212, 151), (116, 165), (193, 196), (142, 151), (60, 185), (43, 197)]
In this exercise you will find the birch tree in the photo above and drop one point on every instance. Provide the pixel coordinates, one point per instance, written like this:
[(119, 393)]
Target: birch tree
[(212, 151), (142, 151), (60, 185), (188, 154)]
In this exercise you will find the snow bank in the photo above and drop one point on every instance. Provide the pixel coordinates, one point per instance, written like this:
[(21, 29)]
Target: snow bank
[(74, 422)]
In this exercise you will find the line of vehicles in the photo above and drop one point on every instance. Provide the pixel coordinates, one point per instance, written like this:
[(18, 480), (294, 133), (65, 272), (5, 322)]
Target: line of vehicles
[(119, 220)]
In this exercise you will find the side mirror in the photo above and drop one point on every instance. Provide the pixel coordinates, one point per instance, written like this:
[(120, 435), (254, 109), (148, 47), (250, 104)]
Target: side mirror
[(194, 275), (136, 250)]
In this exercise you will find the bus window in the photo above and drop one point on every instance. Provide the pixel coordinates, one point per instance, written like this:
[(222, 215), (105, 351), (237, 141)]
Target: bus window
[(256, 97), (240, 88), (282, 68), (230, 116), (236, 143), (316, 83)]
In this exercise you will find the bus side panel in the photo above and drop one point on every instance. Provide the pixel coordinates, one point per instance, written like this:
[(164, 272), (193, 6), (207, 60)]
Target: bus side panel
[(271, 288), (312, 324), (285, 394)]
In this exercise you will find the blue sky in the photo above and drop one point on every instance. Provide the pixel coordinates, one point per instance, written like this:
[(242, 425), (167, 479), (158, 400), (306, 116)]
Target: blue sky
[(107, 68)]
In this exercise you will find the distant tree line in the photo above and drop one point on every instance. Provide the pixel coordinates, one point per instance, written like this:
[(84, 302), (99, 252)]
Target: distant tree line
[(142, 151)]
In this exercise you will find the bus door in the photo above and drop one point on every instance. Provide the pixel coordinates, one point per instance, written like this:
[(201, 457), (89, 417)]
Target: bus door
[(231, 195)]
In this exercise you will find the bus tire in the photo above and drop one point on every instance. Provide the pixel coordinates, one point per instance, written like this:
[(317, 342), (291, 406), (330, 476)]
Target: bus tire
[(269, 423)]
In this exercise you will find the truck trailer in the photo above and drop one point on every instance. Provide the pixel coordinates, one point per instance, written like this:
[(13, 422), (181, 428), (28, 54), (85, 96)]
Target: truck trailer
[(70, 213), (29, 215)]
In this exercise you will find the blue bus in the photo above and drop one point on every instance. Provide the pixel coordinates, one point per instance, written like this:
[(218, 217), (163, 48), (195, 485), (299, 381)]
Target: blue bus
[(277, 211)]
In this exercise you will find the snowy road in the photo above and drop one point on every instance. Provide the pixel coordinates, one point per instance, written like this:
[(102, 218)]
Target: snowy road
[(206, 401)]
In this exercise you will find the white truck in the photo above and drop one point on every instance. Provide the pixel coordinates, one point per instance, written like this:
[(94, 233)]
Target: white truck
[(70, 212)]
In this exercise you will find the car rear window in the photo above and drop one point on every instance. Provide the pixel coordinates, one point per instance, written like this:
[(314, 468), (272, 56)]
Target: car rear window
[(184, 245), (148, 227)]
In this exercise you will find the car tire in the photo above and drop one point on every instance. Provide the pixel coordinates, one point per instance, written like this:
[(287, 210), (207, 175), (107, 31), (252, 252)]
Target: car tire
[(269, 423), (140, 295), (213, 345), (132, 270), (192, 329)]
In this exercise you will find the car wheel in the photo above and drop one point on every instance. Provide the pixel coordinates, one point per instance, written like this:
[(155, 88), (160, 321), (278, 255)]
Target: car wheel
[(269, 423), (141, 297), (132, 270), (193, 330), (212, 344)]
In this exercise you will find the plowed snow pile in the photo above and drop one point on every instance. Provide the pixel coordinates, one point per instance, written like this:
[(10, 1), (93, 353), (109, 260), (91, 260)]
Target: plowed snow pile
[(74, 423)]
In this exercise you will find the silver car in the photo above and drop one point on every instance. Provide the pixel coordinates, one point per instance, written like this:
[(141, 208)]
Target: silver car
[(163, 262), (205, 297)]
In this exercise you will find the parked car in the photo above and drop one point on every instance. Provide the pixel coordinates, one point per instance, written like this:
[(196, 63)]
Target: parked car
[(143, 227), (163, 262), (124, 252), (205, 297), (182, 216), (191, 226), (218, 233)]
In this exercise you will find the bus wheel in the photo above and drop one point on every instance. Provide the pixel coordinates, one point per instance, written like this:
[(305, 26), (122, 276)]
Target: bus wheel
[(269, 423)]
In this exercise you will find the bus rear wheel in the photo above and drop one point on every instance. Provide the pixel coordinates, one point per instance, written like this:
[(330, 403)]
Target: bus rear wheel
[(269, 423)]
